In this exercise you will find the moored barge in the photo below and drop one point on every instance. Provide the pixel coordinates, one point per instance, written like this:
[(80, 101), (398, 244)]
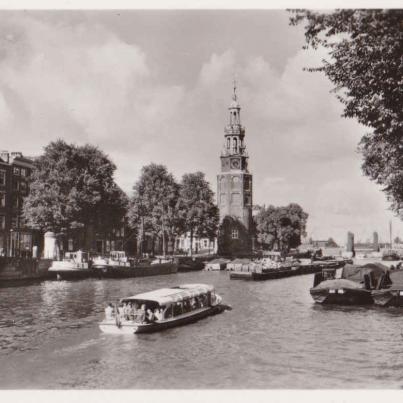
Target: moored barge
[(117, 265), (75, 265)]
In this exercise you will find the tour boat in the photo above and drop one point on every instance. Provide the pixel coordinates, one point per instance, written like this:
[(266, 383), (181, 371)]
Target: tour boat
[(174, 306), (74, 265)]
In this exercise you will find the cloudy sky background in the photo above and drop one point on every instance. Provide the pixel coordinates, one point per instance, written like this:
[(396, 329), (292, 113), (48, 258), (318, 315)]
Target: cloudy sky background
[(154, 86)]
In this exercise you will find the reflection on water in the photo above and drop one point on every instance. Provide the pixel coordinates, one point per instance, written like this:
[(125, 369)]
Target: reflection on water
[(275, 337)]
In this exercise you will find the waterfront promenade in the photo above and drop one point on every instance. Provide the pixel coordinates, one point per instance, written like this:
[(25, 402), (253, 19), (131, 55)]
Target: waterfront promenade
[(274, 337)]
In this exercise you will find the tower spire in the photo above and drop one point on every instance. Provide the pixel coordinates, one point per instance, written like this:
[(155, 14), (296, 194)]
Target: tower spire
[(234, 96)]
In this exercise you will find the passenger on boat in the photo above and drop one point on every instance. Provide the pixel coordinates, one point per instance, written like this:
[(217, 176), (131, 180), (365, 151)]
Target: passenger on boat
[(213, 299), (186, 306), (178, 309), (141, 314), (121, 310), (130, 311), (150, 316), (202, 301), (126, 311), (158, 314)]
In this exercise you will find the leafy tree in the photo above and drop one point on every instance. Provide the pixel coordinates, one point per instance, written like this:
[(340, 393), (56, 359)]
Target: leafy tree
[(332, 243), (365, 65), (281, 227), (199, 212), (73, 187), (154, 206)]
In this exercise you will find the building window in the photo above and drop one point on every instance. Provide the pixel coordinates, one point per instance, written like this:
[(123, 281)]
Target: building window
[(70, 245), (14, 222), (235, 181), (234, 234), (2, 177), (16, 171), (16, 185), (236, 199), (16, 204), (205, 243), (2, 199), (23, 172), (2, 222), (26, 242), (23, 186)]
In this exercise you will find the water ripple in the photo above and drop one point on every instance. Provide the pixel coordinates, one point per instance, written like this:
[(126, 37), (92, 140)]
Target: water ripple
[(275, 337)]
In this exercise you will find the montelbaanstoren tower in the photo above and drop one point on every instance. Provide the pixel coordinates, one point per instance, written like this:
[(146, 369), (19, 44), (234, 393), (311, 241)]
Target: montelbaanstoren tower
[(234, 188)]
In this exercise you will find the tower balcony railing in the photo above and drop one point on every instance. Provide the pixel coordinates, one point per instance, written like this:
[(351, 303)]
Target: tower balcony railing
[(234, 129), (241, 151)]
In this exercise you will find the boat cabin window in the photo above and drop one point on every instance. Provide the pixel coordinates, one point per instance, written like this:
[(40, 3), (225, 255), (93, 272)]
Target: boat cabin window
[(178, 309), (168, 311)]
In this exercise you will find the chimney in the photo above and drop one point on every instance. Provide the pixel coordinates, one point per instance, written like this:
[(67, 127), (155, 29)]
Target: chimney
[(350, 242), (376, 241)]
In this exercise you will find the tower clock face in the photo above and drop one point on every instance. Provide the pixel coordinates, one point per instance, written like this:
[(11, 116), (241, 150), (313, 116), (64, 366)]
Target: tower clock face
[(235, 164)]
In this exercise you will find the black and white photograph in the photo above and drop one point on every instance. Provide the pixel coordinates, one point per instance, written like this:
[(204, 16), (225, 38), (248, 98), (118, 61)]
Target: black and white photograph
[(201, 199)]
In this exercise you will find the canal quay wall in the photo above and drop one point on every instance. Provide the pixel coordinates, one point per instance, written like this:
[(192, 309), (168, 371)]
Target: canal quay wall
[(18, 268)]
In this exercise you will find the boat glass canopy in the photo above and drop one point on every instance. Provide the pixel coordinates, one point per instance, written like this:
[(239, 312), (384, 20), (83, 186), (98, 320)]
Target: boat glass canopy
[(166, 296)]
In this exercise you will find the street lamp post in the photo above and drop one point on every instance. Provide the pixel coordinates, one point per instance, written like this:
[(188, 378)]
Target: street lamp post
[(11, 249)]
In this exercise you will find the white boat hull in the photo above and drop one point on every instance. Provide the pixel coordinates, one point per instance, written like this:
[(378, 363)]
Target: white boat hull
[(112, 326)]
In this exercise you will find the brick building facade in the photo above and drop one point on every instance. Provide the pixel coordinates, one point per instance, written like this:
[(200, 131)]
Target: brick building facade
[(15, 238)]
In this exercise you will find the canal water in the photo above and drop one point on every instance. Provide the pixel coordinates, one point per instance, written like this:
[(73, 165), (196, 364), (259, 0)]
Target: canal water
[(274, 337)]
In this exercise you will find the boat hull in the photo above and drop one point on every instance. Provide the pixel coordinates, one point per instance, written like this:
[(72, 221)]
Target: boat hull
[(388, 297), (134, 328), (240, 275), (275, 273), (345, 297), (70, 274), (184, 267), (135, 271), (271, 274)]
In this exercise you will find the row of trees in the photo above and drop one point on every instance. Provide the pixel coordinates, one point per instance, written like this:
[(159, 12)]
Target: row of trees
[(281, 228), (162, 208), (73, 188)]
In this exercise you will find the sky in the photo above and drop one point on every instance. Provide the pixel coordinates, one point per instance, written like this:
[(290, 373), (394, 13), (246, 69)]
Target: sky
[(154, 86)]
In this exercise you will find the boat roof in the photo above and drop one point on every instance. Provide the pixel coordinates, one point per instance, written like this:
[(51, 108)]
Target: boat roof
[(356, 273), (174, 294)]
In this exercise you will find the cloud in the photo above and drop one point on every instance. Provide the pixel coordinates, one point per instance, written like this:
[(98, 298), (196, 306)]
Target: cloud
[(80, 82), (84, 82)]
